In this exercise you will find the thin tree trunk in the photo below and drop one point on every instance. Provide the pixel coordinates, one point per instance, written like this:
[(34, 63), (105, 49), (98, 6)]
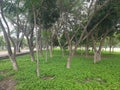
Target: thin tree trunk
[(32, 55), (30, 49), (87, 48), (63, 52), (37, 43), (37, 52), (46, 51), (12, 55), (61, 47), (110, 45), (51, 51), (40, 41), (37, 56)]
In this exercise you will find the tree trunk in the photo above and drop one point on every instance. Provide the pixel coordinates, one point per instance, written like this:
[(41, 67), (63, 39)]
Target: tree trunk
[(46, 51), (69, 57), (51, 51), (37, 44), (40, 46), (61, 47), (30, 49), (37, 52), (32, 55), (14, 63), (112, 49), (63, 52), (8, 39), (97, 57), (110, 44), (19, 44), (69, 61), (87, 48), (18, 48), (37, 56)]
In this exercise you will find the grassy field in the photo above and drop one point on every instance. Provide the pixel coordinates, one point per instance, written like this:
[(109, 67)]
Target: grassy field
[(83, 75)]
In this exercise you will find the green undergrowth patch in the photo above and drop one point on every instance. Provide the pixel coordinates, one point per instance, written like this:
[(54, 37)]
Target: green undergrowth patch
[(1, 77), (83, 74), (6, 69)]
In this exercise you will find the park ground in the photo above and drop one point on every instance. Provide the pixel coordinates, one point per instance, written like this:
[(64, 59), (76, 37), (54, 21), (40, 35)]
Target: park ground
[(83, 74)]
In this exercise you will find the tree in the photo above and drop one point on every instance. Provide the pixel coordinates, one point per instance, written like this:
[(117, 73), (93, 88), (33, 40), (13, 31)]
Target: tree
[(104, 29), (8, 38), (43, 13), (13, 11)]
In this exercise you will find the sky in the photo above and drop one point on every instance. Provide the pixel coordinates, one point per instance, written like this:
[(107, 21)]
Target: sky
[(10, 25)]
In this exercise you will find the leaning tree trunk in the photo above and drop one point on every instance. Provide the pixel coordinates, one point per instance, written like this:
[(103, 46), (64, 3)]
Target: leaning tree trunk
[(32, 54), (14, 63), (8, 39)]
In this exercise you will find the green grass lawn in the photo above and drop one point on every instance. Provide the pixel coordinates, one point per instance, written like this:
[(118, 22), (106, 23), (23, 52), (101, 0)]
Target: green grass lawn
[(83, 75)]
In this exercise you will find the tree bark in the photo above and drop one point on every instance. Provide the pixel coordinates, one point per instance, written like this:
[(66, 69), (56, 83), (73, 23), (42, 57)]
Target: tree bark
[(110, 44), (14, 63), (30, 49), (46, 51), (8, 39), (61, 47), (68, 65), (63, 51), (97, 57), (51, 50), (87, 48), (37, 43)]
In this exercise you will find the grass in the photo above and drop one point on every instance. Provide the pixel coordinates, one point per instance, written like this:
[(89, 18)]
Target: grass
[(83, 75)]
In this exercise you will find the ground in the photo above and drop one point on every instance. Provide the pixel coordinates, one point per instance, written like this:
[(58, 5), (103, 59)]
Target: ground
[(7, 84), (83, 74)]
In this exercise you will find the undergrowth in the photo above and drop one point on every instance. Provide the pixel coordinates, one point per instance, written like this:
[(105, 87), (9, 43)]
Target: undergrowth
[(83, 74)]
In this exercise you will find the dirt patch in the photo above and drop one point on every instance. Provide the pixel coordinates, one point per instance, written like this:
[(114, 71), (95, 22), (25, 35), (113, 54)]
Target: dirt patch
[(7, 84), (98, 79), (48, 78)]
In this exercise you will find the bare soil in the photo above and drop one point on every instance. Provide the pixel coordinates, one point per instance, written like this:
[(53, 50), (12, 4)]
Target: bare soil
[(100, 80), (7, 84), (48, 78)]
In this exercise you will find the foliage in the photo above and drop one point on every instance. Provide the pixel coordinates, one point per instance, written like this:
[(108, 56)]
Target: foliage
[(49, 13), (83, 75), (46, 11)]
